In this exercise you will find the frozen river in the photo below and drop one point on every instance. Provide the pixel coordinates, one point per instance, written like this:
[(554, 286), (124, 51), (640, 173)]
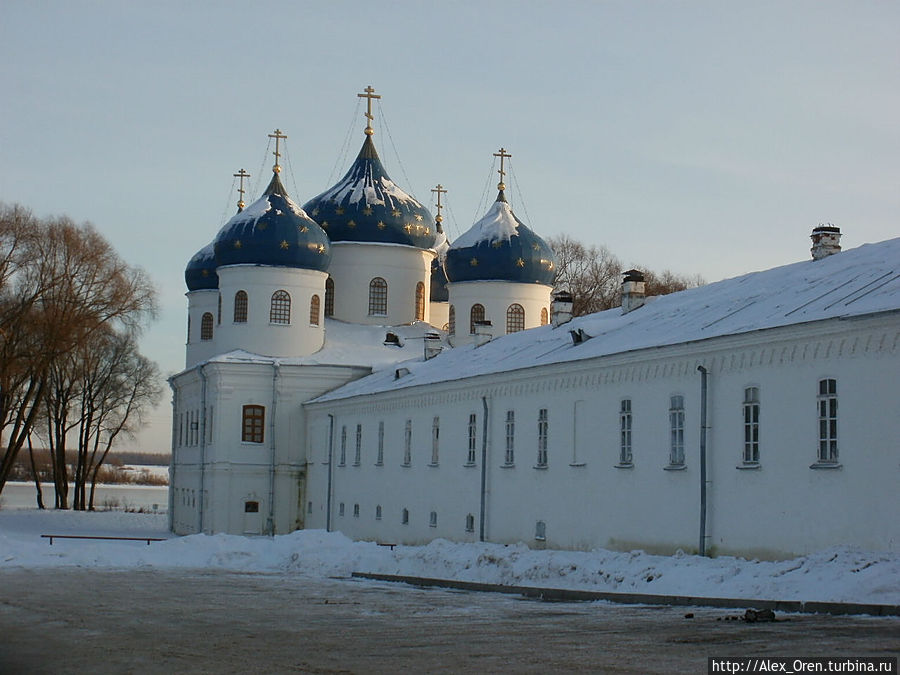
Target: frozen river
[(68, 620), (126, 497)]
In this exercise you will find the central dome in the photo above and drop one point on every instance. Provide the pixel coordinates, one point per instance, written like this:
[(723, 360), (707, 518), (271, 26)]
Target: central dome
[(367, 206)]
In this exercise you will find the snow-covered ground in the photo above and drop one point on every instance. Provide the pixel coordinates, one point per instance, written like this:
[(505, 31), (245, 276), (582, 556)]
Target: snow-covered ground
[(839, 574)]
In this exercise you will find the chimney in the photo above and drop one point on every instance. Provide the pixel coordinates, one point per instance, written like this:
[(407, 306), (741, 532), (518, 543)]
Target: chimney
[(633, 292), (561, 308), (432, 344), (826, 241), (484, 332)]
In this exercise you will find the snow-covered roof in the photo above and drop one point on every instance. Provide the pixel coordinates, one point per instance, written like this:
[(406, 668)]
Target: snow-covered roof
[(498, 223), (856, 282)]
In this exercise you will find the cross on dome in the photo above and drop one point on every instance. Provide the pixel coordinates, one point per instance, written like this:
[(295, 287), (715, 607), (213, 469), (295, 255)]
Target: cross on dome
[(242, 175), (278, 136), (502, 154), (369, 95), (439, 189)]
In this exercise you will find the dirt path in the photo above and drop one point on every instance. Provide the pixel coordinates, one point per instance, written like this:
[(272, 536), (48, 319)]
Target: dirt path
[(95, 621)]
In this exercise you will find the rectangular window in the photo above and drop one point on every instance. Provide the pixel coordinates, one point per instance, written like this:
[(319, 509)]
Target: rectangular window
[(341, 509), (379, 459), (407, 443), (356, 510), (357, 455), (343, 459), (676, 430), (435, 440), (253, 426), (510, 457), (751, 425), (827, 405), (309, 507), (470, 523), (625, 457), (543, 430), (432, 519), (473, 436)]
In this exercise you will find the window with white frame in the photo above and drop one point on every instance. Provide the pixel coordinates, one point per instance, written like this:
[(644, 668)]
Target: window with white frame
[(343, 459), (470, 523), (510, 457), (751, 425), (473, 436), (625, 457), (432, 519), (676, 430), (379, 458), (543, 431), (435, 440), (407, 443), (357, 454), (828, 406)]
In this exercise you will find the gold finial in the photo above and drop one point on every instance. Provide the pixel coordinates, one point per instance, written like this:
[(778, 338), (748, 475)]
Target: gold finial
[(369, 95), (502, 154), (242, 175), (277, 136), (439, 190)]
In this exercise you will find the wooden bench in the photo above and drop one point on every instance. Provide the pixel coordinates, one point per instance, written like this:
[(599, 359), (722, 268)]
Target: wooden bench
[(51, 537), (391, 546)]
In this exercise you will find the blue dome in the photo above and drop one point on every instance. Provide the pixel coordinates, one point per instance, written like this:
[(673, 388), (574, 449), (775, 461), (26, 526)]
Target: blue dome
[(274, 231), (200, 273), (439, 292), (499, 247), (366, 206)]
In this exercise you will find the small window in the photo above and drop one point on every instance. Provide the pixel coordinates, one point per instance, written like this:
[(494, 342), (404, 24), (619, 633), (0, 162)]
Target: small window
[(253, 427), (827, 406), (189, 329), (329, 297), (378, 296), (309, 507), (515, 318), (473, 436), (676, 430), (543, 431), (470, 523), (420, 301), (432, 519), (357, 455), (540, 531), (314, 310), (280, 310), (544, 316), (378, 512), (476, 314), (451, 321), (751, 425), (343, 459), (219, 310), (251, 507), (379, 459), (240, 307), (435, 440), (625, 457), (407, 443), (341, 509), (404, 517), (206, 326), (510, 457), (356, 510)]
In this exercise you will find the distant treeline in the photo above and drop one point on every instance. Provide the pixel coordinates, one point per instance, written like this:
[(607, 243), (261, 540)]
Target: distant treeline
[(111, 471), (145, 458)]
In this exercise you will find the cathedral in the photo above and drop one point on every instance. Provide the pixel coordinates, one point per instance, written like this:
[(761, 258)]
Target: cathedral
[(348, 368)]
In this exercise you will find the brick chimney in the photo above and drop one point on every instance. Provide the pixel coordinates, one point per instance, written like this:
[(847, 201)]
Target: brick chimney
[(561, 308), (633, 292), (826, 241)]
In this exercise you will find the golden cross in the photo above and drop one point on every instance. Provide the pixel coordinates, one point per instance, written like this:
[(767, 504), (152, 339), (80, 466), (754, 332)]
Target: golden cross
[(439, 190), (277, 136), (502, 155), (242, 175), (369, 95)]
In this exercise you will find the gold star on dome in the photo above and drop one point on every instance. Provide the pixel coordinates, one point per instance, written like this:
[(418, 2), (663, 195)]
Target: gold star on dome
[(339, 210), (419, 216), (315, 211), (351, 223), (367, 211), (408, 228), (325, 224), (474, 262), (549, 264), (381, 225), (520, 263), (284, 244), (427, 231), (536, 246), (395, 213), (321, 248), (237, 243), (304, 228)]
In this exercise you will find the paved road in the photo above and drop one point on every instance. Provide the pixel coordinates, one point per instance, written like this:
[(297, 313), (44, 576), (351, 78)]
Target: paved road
[(95, 621)]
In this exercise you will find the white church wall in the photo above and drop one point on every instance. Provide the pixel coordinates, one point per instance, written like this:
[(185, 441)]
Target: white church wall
[(353, 267), (201, 302), (496, 297)]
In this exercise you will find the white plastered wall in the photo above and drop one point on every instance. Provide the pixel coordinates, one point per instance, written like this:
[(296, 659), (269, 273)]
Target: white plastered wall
[(496, 297), (199, 303)]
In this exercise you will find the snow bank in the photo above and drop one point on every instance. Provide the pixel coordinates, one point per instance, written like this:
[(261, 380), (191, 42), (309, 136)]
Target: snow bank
[(839, 574)]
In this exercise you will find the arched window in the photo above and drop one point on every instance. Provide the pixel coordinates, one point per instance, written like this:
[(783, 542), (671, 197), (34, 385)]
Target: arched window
[(515, 318), (476, 314), (451, 321), (219, 313), (280, 310), (329, 297), (420, 301), (240, 307), (206, 326), (378, 297), (544, 319), (314, 310)]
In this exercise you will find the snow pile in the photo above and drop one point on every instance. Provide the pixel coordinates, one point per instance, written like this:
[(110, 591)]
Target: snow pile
[(840, 574), (498, 224)]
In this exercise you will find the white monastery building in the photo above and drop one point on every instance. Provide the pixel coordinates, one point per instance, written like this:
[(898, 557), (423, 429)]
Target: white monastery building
[(350, 369)]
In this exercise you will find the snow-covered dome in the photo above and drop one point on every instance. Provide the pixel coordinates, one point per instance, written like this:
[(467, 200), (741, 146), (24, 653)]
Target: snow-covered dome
[(200, 273), (367, 206), (274, 231), (499, 247)]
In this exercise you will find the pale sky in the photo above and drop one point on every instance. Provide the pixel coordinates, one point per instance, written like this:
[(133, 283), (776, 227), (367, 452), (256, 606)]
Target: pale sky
[(704, 137)]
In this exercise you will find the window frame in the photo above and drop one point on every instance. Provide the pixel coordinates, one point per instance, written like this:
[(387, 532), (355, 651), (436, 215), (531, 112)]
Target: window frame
[(207, 326), (253, 431), (241, 307), (407, 443), (827, 422), (515, 318), (329, 297), (451, 320), (750, 409), (542, 438), (626, 430), (435, 441), (509, 458), (472, 435), (280, 308), (357, 451), (378, 297), (315, 307), (476, 314), (420, 301), (676, 430)]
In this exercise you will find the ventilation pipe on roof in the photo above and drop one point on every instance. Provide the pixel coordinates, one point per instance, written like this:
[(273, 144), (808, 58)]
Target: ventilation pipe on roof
[(561, 308), (633, 290), (484, 331), (826, 241), (432, 345)]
